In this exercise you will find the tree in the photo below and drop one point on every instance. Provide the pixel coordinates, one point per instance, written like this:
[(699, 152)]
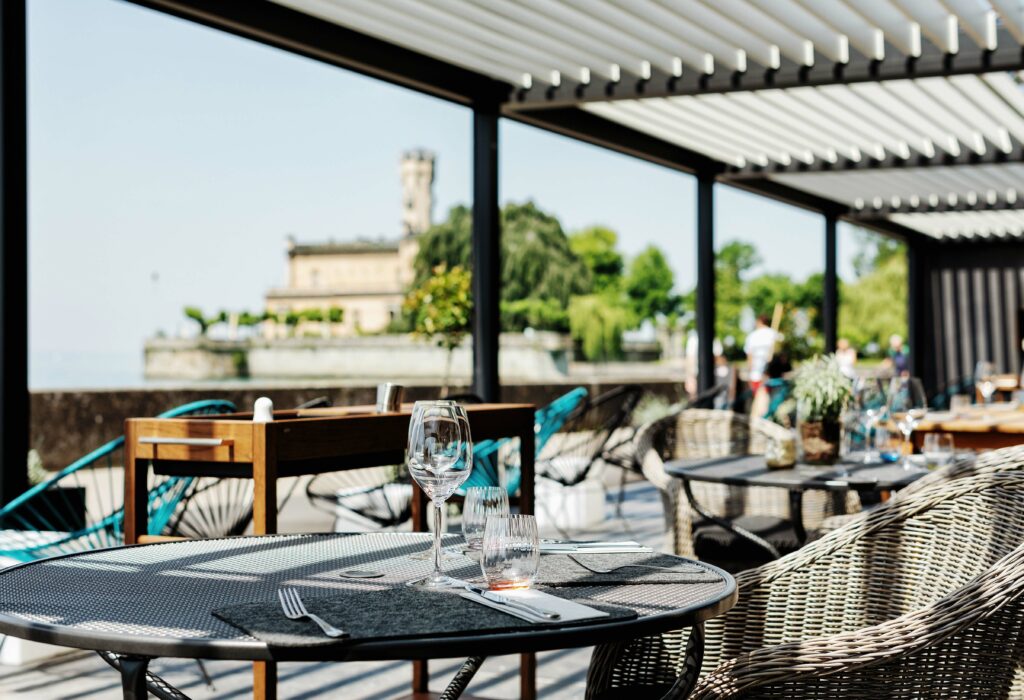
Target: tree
[(649, 283), (536, 260), (595, 247), (205, 322), (440, 310), (874, 307), (732, 262), (596, 322)]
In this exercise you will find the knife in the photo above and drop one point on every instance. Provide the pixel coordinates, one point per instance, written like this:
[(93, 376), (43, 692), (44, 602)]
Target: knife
[(502, 600)]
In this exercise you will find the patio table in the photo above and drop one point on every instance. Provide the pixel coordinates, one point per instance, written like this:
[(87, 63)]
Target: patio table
[(753, 470), (977, 428), (156, 600), (300, 442)]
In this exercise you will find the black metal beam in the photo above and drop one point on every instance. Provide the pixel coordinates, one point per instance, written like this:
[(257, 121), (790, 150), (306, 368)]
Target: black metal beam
[(830, 300), (14, 401), (1009, 56), (486, 252), (941, 159), (591, 128), (705, 281), (306, 35)]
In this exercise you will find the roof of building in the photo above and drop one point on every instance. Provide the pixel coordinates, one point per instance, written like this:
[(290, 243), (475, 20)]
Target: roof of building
[(343, 247)]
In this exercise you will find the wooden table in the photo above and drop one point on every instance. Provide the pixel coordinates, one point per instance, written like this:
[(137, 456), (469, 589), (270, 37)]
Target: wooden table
[(978, 428), (296, 443)]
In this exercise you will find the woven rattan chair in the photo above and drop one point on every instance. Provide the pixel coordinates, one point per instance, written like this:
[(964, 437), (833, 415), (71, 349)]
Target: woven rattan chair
[(986, 463), (697, 433), (921, 598)]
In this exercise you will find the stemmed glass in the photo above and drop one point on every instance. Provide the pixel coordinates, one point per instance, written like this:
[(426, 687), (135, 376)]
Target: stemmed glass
[(985, 380), (907, 406), (440, 457), (869, 394)]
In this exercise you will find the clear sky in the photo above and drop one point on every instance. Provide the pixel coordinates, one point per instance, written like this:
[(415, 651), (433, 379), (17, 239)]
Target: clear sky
[(169, 161)]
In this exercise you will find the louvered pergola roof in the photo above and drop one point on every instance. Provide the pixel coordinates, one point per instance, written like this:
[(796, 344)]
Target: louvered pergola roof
[(905, 112)]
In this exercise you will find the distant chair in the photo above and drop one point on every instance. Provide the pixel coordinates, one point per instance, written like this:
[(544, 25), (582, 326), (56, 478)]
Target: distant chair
[(81, 507), (569, 457), (490, 457)]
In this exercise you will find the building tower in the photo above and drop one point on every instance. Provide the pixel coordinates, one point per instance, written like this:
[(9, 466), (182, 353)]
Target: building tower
[(417, 172)]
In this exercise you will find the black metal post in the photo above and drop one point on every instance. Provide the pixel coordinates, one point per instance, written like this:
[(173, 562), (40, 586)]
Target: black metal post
[(705, 281), (915, 312), (14, 404), (486, 252), (830, 303)]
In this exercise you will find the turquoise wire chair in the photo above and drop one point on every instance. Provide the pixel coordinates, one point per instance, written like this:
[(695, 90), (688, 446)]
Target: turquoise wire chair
[(488, 454), (81, 507)]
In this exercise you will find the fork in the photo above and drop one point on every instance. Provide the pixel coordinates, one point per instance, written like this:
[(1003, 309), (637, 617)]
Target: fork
[(295, 609), (675, 569)]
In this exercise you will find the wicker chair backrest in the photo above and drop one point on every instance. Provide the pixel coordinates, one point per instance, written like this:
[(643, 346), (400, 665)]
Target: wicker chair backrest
[(903, 556), (705, 432)]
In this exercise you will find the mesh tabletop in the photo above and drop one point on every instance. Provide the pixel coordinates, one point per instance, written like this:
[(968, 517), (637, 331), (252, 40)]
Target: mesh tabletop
[(753, 470), (156, 600)]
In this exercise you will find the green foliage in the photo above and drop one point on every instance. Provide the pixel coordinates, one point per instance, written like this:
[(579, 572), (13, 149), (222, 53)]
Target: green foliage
[(312, 315), (249, 319), (649, 285), (595, 247), (545, 314), (205, 322), (536, 260), (821, 389), (596, 322), (874, 307), (440, 307), (335, 314)]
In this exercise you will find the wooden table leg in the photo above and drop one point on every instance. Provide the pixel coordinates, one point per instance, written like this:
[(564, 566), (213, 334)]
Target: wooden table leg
[(264, 680), (136, 493), (264, 522), (527, 662)]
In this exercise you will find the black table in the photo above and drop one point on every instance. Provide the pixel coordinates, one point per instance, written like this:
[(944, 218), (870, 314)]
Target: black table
[(155, 600), (752, 470)]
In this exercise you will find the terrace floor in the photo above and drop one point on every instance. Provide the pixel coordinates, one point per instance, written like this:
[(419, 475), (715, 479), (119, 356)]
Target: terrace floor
[(561, 674)]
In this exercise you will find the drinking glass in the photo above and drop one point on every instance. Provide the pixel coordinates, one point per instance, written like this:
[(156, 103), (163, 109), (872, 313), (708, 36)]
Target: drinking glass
[(938, 450), (870, 398), (907, 406), (960, 403), (482, 502), (985, 380), (511, 551), (440, 458)]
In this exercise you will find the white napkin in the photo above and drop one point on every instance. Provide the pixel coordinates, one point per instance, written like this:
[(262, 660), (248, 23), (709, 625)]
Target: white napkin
[(569, 610), (592, 547)]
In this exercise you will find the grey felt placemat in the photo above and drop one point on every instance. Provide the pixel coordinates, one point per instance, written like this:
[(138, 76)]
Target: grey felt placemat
[(388, 613), (560, 570)]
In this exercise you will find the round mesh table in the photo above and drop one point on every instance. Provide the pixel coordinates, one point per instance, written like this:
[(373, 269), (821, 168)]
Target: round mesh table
[(156, 600)]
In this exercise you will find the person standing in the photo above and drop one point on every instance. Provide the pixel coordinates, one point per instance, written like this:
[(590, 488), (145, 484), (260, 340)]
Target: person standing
[(759, 347)]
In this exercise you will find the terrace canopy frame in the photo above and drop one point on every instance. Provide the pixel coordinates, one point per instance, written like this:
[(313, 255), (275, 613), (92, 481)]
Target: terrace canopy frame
[(783, 104)]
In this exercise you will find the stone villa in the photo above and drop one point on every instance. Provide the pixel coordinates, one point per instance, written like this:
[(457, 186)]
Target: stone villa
[(366, 278)]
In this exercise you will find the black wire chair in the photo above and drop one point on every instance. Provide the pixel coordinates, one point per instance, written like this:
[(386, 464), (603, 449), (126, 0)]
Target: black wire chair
[(587, 435)]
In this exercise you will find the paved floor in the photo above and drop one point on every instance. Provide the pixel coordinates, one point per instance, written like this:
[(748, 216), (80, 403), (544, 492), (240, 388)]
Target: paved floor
[(561, 674)]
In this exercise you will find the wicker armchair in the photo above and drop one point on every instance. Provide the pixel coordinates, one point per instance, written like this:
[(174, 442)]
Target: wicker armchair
[(698, 432), (986, 463), (921, 598)]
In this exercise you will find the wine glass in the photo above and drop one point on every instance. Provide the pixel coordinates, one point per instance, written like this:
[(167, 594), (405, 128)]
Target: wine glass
[(907, 406), (870, 398), (440, 458), (985, 380)]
